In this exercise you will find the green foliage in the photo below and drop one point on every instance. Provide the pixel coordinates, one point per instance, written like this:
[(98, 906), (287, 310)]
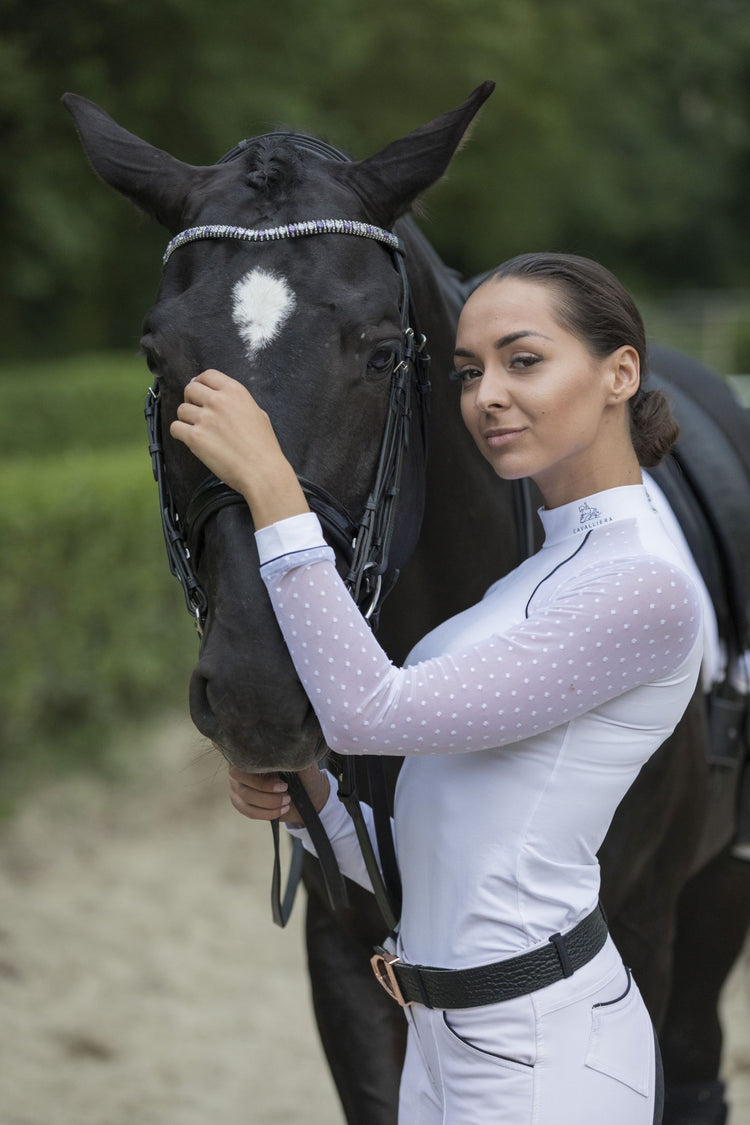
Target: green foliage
[(743, 348), (83, 402), (619, 131), (95, 633)]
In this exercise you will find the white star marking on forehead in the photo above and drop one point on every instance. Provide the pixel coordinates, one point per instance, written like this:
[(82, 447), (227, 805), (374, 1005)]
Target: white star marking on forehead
[(261, 302)]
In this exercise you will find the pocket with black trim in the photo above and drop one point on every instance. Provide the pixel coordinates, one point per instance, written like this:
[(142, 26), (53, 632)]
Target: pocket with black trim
[(461, 1041), (621, 1041)]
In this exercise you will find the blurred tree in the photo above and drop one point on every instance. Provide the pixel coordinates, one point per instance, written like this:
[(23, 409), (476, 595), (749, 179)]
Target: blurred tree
[(75, 262), (620, 131)]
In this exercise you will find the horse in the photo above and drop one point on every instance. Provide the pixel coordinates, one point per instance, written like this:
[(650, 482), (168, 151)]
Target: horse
[(280, 285)]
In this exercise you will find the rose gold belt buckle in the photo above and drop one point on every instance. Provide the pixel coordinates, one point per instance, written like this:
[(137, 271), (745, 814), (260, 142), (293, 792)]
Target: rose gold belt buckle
[(382, 966)]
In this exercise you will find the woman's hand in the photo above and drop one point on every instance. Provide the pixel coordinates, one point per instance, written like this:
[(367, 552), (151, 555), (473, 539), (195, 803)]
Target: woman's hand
[(264, 796), (221, 423)]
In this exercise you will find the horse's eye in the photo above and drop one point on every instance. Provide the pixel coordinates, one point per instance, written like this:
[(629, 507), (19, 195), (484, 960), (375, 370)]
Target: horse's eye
[(151, 356), (381, 360)]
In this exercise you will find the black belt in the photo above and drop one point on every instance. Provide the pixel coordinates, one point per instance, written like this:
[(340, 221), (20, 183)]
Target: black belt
[(489, 984)]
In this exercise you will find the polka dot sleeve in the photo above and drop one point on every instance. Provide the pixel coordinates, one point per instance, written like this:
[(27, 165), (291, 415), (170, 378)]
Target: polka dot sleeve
[(606, 629)]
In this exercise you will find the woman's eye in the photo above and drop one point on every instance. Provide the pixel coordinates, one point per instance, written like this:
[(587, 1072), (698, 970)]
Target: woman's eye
[(465, 375), (381, 360), (524, 360)]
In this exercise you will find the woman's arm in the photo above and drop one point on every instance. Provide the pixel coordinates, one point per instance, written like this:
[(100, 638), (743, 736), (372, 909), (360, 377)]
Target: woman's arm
[(566, 659), (605, 631)]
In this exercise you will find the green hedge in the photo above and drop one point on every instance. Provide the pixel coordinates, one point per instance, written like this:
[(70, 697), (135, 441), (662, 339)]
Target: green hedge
[(95, 630), (90, 401)]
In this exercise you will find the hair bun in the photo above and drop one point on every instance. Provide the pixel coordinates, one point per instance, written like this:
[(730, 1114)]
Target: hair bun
[(653, 427)]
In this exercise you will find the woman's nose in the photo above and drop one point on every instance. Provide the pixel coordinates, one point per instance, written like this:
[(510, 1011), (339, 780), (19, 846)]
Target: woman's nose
[(492, 392)]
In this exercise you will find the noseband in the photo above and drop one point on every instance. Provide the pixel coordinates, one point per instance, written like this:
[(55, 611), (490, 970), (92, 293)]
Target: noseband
[(364, 545)]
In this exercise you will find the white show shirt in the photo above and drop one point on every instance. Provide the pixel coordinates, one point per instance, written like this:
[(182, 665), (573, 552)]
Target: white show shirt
[(522, 720)]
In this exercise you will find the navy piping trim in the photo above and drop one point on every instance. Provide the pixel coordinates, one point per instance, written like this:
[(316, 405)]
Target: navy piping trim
[(617, 999), (299, 551), (541, 580), (481, 1050)]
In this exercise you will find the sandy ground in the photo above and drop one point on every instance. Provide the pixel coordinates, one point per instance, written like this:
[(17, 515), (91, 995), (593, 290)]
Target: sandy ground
[(141, 979)]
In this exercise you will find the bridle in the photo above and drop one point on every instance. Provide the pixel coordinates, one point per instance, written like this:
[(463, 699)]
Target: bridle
[(365, 545)]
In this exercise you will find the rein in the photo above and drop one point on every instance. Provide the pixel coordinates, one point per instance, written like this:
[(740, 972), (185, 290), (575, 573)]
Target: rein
[(364, 545)]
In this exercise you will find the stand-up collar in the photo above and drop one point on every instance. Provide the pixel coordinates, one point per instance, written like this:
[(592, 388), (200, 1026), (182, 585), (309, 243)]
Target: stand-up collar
[(578, 517)]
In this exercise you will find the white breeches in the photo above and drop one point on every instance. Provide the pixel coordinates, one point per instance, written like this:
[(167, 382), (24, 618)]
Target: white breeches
[(581, 1050)]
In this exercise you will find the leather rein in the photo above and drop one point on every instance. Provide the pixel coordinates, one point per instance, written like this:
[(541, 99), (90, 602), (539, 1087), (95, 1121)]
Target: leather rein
[(364, 544)]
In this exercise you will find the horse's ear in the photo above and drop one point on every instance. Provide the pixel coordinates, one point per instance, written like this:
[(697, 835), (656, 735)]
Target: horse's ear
[(390, 181), (155, 181)]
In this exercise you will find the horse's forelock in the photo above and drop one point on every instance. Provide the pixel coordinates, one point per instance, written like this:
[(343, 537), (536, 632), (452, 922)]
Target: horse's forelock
[(273, 167)]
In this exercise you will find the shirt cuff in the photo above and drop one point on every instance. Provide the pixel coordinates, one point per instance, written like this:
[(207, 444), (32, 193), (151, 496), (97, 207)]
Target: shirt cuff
[(297, 533)]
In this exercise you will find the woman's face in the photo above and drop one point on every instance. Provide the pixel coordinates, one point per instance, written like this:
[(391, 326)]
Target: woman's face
[(536, 401)]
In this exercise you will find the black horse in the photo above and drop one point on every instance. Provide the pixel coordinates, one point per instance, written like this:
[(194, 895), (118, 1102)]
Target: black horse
[(313, 326)]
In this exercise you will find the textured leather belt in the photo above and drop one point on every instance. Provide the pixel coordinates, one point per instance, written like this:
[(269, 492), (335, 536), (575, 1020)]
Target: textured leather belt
[(502, 980)]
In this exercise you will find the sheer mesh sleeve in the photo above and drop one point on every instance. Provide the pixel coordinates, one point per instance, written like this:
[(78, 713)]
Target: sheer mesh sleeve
[(607, 629)]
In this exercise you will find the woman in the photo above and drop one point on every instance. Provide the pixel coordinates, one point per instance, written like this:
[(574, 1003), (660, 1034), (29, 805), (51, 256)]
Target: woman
[(523, 721)]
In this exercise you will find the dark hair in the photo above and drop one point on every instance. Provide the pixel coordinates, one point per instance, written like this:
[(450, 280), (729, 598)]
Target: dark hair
[(597, 308)]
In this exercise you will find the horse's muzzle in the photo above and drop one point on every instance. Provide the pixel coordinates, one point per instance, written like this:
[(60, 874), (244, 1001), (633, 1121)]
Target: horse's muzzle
[(276, 734)]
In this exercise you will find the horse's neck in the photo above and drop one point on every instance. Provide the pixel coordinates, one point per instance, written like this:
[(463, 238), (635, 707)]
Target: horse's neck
[(468, 536)]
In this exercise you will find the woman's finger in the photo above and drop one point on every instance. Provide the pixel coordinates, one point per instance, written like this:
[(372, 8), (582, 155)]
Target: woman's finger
[(256, 789), (189, 412), (197, 392), (259, 812), (212, 386), (270, 782), (259, 796), (213, 378), (257, 804), (207, 385)]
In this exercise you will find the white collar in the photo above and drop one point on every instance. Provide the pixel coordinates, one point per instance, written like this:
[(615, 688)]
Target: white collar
[(574, 519)]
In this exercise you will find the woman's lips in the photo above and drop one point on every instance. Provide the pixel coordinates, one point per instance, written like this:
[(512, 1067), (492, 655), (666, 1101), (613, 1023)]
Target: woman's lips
[(496, 439)]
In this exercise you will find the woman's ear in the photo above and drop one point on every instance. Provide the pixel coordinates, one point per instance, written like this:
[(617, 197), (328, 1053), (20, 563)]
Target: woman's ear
[(625, 374)]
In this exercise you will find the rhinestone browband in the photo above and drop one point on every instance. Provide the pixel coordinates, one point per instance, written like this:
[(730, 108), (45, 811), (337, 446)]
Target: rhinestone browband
[(292, 230)]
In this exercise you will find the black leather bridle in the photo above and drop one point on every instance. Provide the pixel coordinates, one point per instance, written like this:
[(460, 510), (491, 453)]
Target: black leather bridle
[(364, 545)]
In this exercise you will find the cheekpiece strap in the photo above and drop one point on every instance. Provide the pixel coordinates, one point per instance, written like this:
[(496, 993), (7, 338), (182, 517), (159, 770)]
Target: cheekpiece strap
[(292, 230)]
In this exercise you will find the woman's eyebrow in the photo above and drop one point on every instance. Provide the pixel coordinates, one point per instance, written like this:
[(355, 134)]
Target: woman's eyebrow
[(503, 341)]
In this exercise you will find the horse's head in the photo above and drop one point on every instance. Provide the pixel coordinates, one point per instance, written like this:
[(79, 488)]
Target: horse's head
[(312, 325)]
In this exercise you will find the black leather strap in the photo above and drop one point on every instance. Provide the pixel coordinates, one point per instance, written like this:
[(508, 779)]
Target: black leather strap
[(349, 797), (281, 908), (384, 832), (334, 880), (503, 980)]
